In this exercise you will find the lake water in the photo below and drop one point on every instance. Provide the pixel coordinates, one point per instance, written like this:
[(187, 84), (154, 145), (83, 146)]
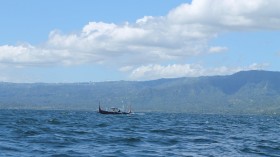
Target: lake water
[(81, 134)]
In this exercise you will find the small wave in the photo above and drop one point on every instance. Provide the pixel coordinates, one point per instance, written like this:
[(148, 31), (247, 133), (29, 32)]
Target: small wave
[(139, 113), (102, 125), (26, 121), (54, 121), (61, 155), (204, 141), (132, 140), (31, 133)]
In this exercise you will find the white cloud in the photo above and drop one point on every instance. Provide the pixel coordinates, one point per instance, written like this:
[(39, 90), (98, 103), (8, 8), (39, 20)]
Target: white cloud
[(217, 49), (126, 68), (21, 55), (229, 14), (185, 31), (152, 37), (28, 55), (155, 71)]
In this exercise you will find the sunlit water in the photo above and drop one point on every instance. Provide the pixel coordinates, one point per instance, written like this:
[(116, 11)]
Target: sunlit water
[(81, 134)]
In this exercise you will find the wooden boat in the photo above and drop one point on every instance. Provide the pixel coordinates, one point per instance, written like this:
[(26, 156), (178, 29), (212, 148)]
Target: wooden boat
[(113, 110)]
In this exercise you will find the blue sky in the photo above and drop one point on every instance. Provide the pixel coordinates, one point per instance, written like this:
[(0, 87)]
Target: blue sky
[(81, 41)]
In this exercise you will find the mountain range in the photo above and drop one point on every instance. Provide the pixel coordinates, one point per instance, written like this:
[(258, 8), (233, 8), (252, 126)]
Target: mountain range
[(245, 92)]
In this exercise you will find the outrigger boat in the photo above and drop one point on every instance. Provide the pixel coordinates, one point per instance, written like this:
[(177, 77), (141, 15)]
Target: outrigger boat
[(113, 110)]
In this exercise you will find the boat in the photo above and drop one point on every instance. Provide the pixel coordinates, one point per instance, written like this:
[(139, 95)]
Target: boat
[(113, 110)]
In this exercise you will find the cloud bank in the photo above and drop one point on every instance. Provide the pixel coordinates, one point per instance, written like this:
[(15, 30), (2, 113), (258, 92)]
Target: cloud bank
[(185, 31), (229, 14), (154, 71)]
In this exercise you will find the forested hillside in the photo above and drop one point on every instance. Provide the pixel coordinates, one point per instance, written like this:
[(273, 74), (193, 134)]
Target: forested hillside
[(250, 92)]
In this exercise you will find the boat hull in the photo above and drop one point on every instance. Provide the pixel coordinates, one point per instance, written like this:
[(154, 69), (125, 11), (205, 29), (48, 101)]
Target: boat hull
[(111, 112)]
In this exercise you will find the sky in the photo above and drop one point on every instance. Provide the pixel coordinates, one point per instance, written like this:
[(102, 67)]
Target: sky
[(91, 41)]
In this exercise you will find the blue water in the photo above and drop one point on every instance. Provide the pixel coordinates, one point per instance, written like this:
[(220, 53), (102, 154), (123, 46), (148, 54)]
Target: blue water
[(81, 134)]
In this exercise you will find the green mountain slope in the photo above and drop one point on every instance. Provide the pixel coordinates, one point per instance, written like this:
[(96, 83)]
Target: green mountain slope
[(249, 92)]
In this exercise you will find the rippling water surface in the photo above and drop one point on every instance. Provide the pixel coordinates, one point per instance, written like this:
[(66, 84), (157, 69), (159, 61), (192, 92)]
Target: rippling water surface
[(82, 134)]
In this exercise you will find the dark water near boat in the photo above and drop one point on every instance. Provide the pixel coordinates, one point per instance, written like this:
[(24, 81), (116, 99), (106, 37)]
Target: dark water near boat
[(81, 134)]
